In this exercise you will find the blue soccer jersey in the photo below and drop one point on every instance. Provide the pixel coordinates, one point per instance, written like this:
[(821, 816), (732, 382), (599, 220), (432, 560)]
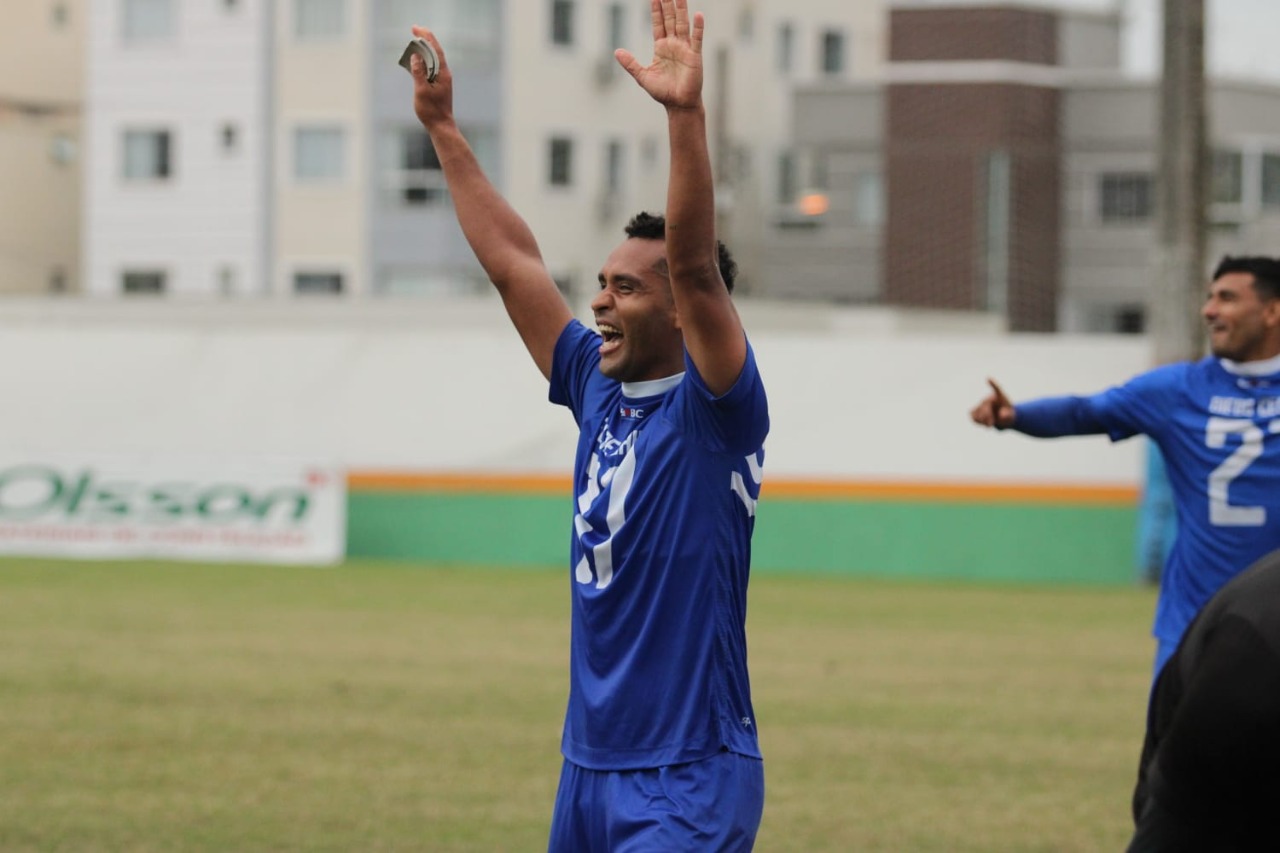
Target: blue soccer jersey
[(1217, 424), (665, 486)]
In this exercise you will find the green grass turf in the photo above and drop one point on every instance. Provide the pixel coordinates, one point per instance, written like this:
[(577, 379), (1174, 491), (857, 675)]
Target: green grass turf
[(155, 706)]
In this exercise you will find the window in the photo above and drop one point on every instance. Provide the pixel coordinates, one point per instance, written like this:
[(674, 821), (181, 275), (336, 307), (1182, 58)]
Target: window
[(317, 281), (318, 154), (615, 23), (1125, 196), (746, 25), (1131, 319), (418, 176), (427, 281), (319, 19), (788, 178), (62, 149), (229, 136), (1227, 177), (560, 165), (471, 28), (819, 173), (147, 155), (868, 199), (613, 166), (59, 15), (996, 221), (58, 280), (649, 152), (1271, 180), (562, 22), (610, 198), (1115, 319), (409, 170), (786, 48), (832, 52), (143, 281), (147, 20), (225, 280)]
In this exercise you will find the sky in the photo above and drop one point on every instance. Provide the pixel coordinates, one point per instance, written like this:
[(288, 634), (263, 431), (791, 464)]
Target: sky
[(1240, 36)]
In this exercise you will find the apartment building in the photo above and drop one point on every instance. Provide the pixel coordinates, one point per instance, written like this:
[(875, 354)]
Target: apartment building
[(243, 147), (178, 168), (1006, 165), (41, 95)]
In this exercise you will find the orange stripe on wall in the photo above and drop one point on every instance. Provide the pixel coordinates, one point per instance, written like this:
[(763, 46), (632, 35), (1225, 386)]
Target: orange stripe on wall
[(953, 492), (894, 490), (394, 481)]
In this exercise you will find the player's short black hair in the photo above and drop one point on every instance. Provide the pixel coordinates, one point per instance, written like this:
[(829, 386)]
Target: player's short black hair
[(653, 226), (1265, 272)]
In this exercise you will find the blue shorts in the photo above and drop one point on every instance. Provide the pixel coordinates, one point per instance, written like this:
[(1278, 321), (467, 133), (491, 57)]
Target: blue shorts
[(713, 804)]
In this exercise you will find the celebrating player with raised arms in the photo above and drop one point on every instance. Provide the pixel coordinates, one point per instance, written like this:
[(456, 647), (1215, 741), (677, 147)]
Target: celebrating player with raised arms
[(660, 745)]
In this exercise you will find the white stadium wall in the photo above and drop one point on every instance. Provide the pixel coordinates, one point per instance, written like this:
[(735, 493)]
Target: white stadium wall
[(447, 387)]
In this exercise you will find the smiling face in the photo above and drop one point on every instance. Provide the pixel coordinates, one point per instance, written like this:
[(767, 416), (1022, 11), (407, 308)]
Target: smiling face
[(636, 315), (1243, 326)]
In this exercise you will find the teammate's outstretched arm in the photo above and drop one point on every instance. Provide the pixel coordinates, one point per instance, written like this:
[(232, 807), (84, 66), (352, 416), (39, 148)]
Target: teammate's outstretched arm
[(501, 240), (995, 410), (712, 330)]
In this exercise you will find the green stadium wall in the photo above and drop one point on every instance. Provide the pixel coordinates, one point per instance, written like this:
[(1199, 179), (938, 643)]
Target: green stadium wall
[(1073, 539)]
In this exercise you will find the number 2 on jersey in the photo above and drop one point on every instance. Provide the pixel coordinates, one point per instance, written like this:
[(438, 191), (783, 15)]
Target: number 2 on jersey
[(1221, 512)]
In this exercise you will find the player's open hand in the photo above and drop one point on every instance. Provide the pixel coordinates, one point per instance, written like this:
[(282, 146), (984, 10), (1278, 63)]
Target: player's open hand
[(674, 78), (432, 101), (995, 410)]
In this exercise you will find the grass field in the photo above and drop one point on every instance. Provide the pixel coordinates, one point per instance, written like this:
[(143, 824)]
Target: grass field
[(387, 707)]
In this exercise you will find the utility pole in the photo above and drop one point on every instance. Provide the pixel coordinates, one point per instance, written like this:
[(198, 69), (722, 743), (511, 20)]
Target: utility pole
[(721, 143), (1181, 187), (1179, 257)]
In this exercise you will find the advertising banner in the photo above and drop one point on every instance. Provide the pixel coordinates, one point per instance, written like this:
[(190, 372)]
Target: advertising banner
[(241, 509)]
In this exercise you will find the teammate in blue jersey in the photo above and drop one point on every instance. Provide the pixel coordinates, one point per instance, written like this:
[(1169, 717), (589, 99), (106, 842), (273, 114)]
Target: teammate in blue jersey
[(1217, 423), (660, 744)]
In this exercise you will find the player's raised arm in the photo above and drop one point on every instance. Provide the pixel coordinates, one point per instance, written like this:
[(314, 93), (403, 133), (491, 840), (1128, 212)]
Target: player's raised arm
[(500, 239), (995, 410), (712, 331)]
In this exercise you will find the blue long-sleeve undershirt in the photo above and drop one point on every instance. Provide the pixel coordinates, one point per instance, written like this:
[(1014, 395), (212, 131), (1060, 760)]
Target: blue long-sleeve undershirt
[(1050, 417)]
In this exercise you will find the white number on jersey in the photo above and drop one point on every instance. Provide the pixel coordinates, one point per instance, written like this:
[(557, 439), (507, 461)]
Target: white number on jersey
[(739, 487), (617, 482), (1221, 512)]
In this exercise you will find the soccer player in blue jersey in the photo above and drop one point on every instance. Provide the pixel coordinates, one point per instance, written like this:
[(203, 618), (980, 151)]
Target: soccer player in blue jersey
[(660, 744), (1217, 423)]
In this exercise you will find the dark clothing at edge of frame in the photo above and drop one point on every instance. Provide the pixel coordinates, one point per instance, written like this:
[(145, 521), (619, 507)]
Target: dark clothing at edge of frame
[(1209, 777)]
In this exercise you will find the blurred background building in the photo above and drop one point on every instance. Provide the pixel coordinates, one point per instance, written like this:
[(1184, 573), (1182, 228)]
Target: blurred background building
[(239, 147), (42, 81), (1005, 164), (995, 158)]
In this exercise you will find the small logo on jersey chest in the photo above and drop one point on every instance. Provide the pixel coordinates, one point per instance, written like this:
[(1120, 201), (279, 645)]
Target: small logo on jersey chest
[(631, 412)]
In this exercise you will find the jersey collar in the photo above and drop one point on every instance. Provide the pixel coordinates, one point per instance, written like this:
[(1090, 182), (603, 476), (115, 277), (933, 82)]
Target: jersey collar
[(654, 387), (1265, 367)]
